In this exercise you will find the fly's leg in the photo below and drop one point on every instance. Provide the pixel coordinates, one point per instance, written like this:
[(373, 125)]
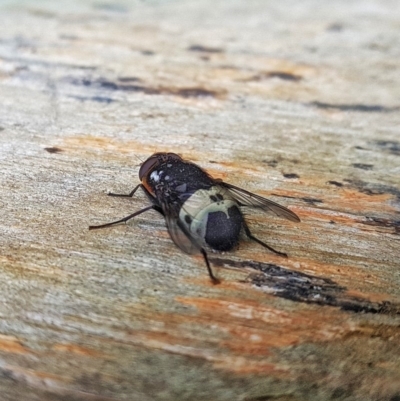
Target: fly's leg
[(125, 219), (127, 195), (211, 274), (251, 236)]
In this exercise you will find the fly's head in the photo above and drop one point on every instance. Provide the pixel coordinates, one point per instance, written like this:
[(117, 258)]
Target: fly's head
[(153, 174)]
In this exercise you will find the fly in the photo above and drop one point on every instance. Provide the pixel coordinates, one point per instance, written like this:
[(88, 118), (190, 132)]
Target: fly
[(201, 212)]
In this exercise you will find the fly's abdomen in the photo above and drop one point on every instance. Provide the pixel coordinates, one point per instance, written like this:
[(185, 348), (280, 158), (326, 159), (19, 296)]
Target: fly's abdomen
[(213, 219), (223, 229)]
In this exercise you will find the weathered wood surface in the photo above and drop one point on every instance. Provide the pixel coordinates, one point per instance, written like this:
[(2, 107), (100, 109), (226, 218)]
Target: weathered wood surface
[(293, 100)]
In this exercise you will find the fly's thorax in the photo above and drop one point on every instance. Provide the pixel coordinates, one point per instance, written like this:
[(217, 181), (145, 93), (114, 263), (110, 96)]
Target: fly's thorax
[(213, 217), (175, 179)]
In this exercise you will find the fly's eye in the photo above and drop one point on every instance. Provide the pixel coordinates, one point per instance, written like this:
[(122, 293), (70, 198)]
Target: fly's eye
[(147, 166)]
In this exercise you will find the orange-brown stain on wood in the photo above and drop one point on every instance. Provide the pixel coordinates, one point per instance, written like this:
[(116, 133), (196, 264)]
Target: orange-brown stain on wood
[(261, 68), (21, 266), (77, 349), (247, 319), (362, 203), (12, 345), (373, 296), (181, 335), (347, 273), (349, 200), (140, 151), (84, 142), (246, 328)]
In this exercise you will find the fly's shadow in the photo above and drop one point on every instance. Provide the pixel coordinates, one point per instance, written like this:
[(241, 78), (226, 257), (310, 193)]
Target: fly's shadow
[(302, 287)]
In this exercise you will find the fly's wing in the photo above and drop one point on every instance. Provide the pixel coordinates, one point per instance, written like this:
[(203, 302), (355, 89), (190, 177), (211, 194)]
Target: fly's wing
[(179, 234), (246, 198)]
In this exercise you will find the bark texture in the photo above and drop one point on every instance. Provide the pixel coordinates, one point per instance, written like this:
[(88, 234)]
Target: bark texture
[(296, 101)]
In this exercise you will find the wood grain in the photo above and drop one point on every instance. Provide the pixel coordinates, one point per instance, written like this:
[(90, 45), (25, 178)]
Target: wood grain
[(298, 102)]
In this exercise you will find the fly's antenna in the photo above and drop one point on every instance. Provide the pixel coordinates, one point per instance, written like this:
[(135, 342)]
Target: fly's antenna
[(140, 160)]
